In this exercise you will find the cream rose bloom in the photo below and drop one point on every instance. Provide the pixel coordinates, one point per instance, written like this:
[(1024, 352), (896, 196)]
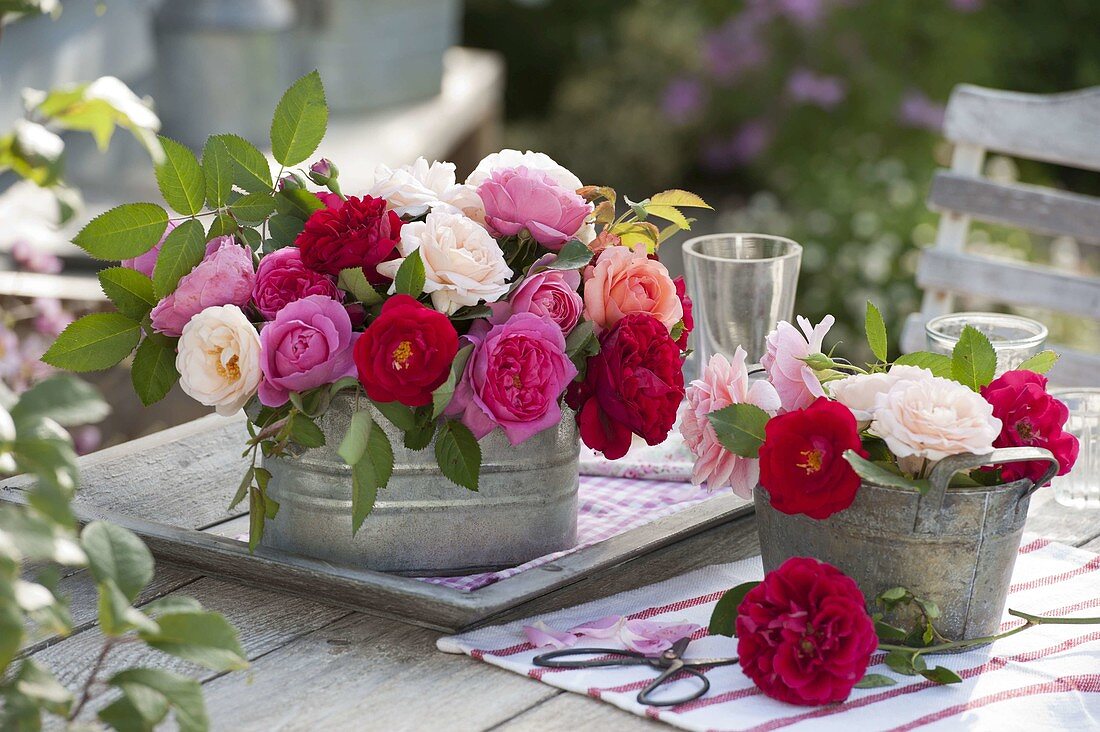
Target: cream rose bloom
[(463, 265), (530, 160), (932, 418), (859, 392), (413, 190), (218, 358)]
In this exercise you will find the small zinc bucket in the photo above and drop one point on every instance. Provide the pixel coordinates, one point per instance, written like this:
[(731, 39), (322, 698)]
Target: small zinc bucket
[(953, 546), (422, 524)]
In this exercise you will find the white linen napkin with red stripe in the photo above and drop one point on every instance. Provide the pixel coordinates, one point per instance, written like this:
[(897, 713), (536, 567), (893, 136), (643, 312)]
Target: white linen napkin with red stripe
[(1045, 678)]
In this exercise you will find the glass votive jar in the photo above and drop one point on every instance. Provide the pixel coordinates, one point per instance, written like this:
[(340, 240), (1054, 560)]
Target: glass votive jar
[(1014, 338), (1080, 487)]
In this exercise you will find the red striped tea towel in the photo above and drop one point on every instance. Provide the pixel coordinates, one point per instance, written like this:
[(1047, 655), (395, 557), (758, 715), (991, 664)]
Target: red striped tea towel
[(1047, 678)]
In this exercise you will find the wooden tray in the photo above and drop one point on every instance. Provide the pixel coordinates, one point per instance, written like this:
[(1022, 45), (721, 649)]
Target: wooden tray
[(172, 489)]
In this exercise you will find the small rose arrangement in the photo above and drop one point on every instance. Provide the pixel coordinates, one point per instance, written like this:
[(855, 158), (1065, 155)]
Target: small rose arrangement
[(818, 426), (453, 308)]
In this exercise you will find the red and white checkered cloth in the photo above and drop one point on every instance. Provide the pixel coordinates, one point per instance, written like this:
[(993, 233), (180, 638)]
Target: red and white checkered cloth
[(607, 506), (1047, 678)]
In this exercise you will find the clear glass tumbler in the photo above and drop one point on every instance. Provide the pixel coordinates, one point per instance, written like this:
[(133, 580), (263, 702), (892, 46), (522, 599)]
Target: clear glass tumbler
[(1080, 488), (1014, 338), (741, 285)]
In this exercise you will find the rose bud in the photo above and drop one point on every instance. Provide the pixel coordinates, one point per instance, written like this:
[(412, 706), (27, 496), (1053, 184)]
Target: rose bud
[(323, 172), (291, 182)]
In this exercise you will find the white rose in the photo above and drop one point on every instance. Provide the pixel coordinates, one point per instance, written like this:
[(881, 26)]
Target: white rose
[(932, 418), (34, 140), (7, 436), (218, 358), (413, 190), (463, 265), (531, 160), (859, 392), (118, 95)]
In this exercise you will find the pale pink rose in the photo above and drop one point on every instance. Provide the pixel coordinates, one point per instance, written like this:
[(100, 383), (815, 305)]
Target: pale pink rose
[(934, 417), (144, 263), (721, 384), (860, 391), (224, 277), (795, 382), (520, 198), (548, 292), (218, 359), (623, 281)]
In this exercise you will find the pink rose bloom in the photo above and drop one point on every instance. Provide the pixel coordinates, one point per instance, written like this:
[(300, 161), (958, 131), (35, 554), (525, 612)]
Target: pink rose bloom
[(720, 385), (514, 378), (623, 281), (548, 292), (309, 344), (224, 277), (521, 198), (282, 278), (144, 263), (796, 382)]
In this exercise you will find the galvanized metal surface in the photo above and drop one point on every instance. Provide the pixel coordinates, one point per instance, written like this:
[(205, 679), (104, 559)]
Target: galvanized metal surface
[(525, 506), (955, 547)]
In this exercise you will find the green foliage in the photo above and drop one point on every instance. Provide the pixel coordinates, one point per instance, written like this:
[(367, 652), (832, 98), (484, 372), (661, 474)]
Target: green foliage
[(125, 231), (410, 275), (939, 364), (297, 203), (246, 165), (367, 449), (441, 397), (217, 170), (458, 454), (1040, 363), (876, 332), (253, 208), (723, 619), (740, 428), (573, 255), (183, 249), (64, 399), (95, 342), (883, 474), (128, 290), (973, 360), (354, 281), (180, 178), (874, 681), (147, 696), (284, 229), (300, 120), (154, 370)]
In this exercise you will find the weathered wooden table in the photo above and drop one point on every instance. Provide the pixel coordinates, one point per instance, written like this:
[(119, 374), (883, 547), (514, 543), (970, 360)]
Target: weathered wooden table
[(316, 666)]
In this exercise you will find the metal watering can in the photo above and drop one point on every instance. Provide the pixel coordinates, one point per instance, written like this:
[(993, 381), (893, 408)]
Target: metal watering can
[(953, 546)]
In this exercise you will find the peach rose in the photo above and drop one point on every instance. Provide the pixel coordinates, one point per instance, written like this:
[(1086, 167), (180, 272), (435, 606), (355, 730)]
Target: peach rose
[(624, 282)]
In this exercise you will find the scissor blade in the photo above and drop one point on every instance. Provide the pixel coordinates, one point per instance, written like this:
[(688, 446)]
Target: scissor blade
[(680, 646), (696, 662)]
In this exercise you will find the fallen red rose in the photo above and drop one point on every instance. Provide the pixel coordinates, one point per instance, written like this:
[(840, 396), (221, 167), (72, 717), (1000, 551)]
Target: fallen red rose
[(804, 635), (406, 352), (802, 463)]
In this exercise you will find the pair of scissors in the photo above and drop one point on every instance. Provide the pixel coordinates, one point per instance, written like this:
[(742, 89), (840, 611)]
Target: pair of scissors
[(669, 662)]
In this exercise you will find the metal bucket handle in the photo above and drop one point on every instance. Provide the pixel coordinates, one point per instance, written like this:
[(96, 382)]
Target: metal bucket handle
[(931, 504)]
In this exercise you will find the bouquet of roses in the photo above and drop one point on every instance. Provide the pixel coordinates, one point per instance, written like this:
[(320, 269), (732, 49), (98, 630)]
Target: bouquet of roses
[(453, 308), (818, 426)]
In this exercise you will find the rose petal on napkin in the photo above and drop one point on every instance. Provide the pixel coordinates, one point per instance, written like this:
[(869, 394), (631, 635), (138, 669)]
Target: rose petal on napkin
[(648, 636), (541, 635), (606, 627)]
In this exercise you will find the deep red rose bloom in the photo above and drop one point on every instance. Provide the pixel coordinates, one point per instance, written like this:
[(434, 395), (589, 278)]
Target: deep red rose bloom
[(358, 233), (406, 352), (1030, 416), (804, 635), (802, 459), (634, 384), (689, 320)]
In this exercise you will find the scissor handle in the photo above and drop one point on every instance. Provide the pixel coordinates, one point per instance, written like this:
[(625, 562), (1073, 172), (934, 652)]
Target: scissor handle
[(616, 657), (646, 695)]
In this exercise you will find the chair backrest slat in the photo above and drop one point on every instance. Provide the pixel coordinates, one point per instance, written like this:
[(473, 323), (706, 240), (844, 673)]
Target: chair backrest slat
[(1055, 128), (1035, 208)]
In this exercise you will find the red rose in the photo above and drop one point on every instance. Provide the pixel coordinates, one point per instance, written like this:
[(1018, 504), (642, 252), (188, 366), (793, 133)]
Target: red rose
[(1030, 416), (634, 384), (803, 634), (686, 304), (406, 352), (357, 233), (802, 459)]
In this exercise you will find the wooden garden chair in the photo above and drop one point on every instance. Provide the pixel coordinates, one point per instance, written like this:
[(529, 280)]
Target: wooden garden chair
[(1055, 128)]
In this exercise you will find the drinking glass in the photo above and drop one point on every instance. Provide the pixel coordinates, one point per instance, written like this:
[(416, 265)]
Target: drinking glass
[(741, 285), (1015, 339), (1080, 488)]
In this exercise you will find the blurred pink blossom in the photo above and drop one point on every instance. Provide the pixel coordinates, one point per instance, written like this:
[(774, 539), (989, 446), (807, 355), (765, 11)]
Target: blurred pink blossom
[(51, 318), (807, 87), (917, 110), (684, 98), (33, 259)]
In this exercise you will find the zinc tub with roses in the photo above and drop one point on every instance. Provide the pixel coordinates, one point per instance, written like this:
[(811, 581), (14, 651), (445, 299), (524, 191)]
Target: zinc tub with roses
[(525, 505), (954, 546)]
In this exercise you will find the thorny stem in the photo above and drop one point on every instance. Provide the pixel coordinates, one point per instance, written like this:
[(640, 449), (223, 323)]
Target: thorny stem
[(86, 692), (1030, 622)]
